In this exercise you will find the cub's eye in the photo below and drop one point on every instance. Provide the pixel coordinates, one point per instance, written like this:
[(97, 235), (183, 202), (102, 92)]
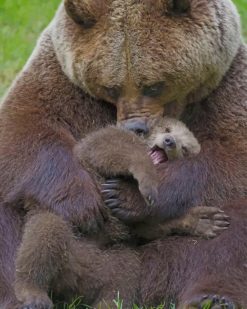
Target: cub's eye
[(178, 7), (113, 93), (185, 151), (154, 90)]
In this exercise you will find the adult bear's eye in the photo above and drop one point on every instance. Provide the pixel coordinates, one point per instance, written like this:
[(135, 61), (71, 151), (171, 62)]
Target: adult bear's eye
[(178, 7), (79, 14), (87, 23), (154, 90)]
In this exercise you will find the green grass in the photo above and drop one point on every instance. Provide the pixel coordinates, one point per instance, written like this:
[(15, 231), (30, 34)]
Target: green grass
[(242, 7), (119, 304), (21, 21)]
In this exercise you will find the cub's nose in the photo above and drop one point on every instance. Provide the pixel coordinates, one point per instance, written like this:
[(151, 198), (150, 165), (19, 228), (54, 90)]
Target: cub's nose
[(137, 126), (169, 142)]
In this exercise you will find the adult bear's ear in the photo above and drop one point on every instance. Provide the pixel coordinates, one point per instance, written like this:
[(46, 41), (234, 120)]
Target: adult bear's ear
[(81, 12), (179, 7)]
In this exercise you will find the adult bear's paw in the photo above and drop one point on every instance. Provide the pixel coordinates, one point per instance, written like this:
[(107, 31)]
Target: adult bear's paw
[(210, 302), (124, 200)]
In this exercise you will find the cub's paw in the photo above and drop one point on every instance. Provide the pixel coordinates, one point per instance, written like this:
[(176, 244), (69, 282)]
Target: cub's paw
[(210, 221), (124, 200), (210, 302)]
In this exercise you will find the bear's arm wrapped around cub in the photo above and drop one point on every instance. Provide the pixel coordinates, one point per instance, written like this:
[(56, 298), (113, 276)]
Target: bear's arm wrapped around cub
[(113, 152), (39, 165), (201, 180)]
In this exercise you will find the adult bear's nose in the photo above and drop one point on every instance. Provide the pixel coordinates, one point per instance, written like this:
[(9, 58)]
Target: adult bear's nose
[(137, 126)]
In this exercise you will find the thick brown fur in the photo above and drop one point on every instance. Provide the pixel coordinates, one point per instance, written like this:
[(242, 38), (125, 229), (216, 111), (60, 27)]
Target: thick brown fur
[(47, 249), (197, 58), (51, 258)]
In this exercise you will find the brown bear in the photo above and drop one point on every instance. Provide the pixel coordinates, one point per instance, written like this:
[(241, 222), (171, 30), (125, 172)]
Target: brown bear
[(102, 61), (109, 152)]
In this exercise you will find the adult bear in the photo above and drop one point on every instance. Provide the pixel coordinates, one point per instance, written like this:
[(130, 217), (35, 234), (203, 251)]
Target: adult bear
[(146, 58)]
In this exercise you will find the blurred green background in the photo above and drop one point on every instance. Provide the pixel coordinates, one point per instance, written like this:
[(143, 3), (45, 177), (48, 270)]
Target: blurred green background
[(21, 21)]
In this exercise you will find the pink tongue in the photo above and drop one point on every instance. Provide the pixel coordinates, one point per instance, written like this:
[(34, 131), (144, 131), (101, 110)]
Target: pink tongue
[(157, 156)]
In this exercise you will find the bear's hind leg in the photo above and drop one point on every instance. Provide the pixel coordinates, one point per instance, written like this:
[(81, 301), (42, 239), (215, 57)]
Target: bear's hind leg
[(107, 275), (41, 256)]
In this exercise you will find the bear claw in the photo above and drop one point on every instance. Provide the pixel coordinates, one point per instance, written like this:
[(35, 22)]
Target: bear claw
[(150, 201), (212, 302), (110, 193)]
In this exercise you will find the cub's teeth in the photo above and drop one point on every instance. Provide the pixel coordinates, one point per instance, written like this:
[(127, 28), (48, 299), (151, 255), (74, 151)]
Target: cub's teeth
[(156, 161)]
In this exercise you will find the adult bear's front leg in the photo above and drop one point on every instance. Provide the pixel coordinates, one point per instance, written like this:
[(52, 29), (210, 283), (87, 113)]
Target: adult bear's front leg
[(42, 168)]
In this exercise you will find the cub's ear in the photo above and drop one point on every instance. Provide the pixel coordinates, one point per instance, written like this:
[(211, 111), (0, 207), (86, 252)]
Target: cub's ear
[(81, 12), (179, 7)]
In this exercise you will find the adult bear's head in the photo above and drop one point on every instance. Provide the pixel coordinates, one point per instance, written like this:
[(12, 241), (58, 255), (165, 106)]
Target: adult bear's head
[(146, 56)]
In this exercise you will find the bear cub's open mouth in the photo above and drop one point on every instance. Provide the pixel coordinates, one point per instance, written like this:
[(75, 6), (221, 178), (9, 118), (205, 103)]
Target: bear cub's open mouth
[(157, 155)]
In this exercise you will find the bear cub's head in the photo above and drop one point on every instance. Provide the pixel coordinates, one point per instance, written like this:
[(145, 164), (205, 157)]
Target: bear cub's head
[(170, 139)]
